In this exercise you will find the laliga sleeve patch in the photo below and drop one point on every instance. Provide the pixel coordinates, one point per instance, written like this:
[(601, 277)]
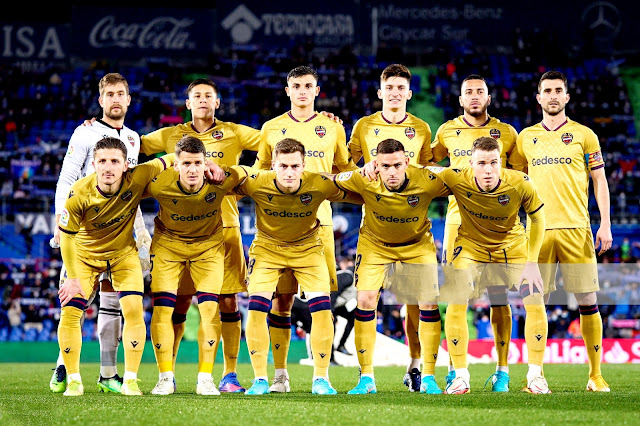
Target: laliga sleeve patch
[(70, 151), (344, 176), (64, 217), (435, 169)]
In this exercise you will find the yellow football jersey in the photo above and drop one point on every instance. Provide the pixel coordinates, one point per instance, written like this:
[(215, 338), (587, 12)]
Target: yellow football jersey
[(224, 143), (395, 217), (324, 140), (412, 132), (288, 218), (490, 219), (185, 216), (103, 224), (454, 139)]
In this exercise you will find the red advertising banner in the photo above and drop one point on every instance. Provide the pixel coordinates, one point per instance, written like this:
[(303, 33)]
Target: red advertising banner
[(559, 351)]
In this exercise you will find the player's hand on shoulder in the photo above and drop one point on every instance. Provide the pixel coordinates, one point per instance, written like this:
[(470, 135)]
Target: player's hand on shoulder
[(214, 173), (331, 116), (89, 122), (370, 170)]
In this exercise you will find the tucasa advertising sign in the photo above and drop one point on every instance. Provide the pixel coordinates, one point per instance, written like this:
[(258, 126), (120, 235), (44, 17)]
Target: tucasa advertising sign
[(277, 24), (133, 33)]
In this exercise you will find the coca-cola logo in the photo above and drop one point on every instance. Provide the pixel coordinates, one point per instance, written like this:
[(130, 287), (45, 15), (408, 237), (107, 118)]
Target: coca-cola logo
[(163, 32)]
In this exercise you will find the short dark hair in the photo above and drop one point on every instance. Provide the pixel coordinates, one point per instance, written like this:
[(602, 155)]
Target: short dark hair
[(389, 146), (301, 71), (473, 77), (553, 75), (288, 146), (111, 79), (110, 143), (190, 144), (395, 70), (485, 143), (199, 81)]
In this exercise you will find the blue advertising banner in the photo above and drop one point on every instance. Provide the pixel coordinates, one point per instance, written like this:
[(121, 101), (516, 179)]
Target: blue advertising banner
[(326, 24), (138, 32)]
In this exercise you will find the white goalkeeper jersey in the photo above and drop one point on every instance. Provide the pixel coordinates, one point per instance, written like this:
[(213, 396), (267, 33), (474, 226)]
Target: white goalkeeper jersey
[(78, 160)]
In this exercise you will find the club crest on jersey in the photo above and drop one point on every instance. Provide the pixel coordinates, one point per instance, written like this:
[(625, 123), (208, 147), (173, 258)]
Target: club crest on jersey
[(410, 132), (413, 200), (126, 196), (210, 197), (321, 131), (494, 133), (305, 199), (567, 138), (503, 199), (217, 135), (131, 140)]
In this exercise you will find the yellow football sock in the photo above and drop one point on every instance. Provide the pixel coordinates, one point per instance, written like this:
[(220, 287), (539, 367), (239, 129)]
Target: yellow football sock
[(257, 333), (162, 337), (591, 329), (321, 334), (365, 337), (231, 329), (280, 333), (208, 314), (429, 332), (70, 337), (536, 328), (501, 324), (134, 332), (457, 332), (412, 323)]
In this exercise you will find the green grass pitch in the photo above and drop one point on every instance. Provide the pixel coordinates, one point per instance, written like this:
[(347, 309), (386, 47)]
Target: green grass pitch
[(25, 399)]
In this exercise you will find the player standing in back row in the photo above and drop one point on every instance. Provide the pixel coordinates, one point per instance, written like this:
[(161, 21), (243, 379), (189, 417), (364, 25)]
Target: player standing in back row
[(561, 155)]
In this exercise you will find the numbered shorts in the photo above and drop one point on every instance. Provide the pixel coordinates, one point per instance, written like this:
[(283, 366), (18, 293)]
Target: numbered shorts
[(409, 271), (235, 266), (171, 260), (484, 268), (307, 262), (125, 272), (288, 284), (574, 250)]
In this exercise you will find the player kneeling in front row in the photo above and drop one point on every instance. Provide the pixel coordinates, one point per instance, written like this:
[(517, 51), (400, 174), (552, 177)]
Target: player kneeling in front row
[(492, 247), (188, 236), (287, 201), (395, 230), (97, 236)]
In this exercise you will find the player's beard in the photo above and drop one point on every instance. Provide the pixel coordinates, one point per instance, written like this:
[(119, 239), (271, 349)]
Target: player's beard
[(116, 115), (553, 113), (477, 113)]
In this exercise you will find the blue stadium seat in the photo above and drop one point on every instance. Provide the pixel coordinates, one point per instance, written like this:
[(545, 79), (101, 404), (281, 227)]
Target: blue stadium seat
[(30, 335)]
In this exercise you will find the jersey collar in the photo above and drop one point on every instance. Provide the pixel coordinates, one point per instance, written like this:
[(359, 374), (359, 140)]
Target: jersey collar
[(556, 129), (402, 187), (471, 125), (389, 122), (215, 122), (275, 183), (189, 193), (99, 120), (487, 192), (298, 121)]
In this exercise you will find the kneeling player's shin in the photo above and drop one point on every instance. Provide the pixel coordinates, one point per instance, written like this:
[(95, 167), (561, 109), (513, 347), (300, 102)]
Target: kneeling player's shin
[(162, 329), (321, 334), (457, 332), (208, 306), (70, 334), (134, 330), (429, 332), (257, 333), (536, 326)]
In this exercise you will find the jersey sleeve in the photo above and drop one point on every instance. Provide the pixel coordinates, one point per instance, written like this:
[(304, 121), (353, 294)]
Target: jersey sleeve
[(439, 188), (156, 141), (74, 160), (144, 173), (349, 181), (354, 146), (248, 136), (342, 158), (246, 186), (592, 152), (531, 201), (263, 158), (72, 213), (334, 193), (516, 158), (426, 154), (235, 176), (438, 148)]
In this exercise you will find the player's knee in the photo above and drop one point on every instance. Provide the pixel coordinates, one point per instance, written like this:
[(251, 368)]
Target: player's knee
[(368, 300), (131, 305), (283, 302), (586, 299), (183, 301), (228, 303)]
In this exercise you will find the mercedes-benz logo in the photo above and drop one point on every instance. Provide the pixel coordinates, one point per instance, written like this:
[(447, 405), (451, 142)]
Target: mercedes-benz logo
[(603, 19)]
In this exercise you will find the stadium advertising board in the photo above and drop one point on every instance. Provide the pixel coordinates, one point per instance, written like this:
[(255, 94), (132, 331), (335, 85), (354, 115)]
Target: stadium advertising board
[(134, 33), (34, 43), (278, 25)]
